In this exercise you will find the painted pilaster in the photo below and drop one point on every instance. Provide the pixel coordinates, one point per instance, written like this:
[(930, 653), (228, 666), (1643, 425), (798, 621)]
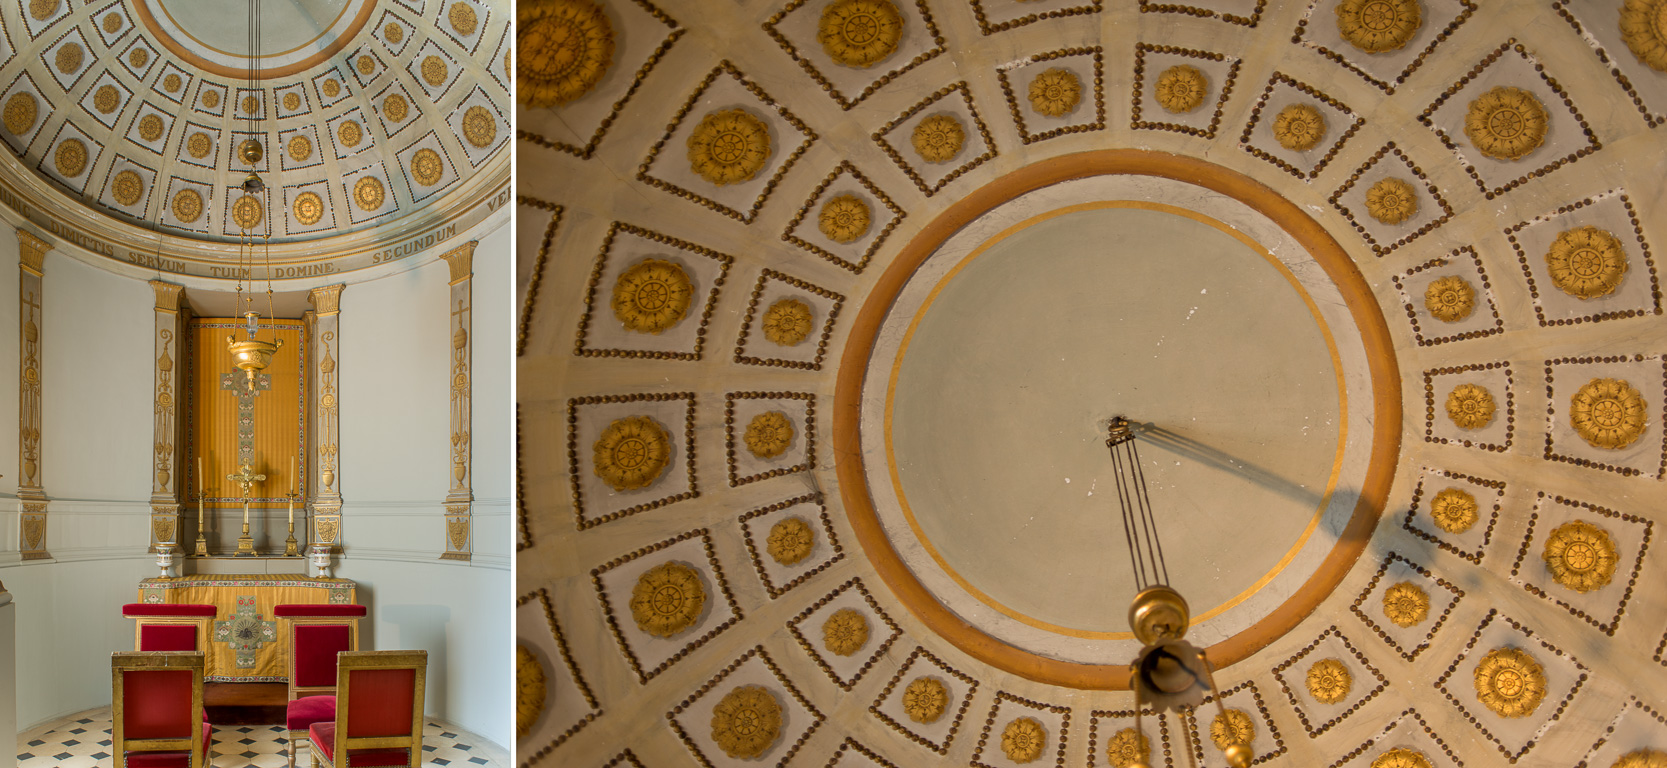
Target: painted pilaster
[(31, 495), (460, 498), (326, 501), (168, 472)]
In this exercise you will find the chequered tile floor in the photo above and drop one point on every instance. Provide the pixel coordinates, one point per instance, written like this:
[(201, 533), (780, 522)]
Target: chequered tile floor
[(83, 741)]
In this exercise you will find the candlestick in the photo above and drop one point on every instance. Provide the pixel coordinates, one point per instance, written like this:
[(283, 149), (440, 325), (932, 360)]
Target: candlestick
[(199, 474), (290, 549)]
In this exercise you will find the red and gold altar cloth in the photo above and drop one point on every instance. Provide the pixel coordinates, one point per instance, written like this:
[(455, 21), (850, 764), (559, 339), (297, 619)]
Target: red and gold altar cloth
[(244, 642)]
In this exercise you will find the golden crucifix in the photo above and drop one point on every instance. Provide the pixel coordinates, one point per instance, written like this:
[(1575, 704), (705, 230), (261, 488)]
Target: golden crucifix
[(245, 479)]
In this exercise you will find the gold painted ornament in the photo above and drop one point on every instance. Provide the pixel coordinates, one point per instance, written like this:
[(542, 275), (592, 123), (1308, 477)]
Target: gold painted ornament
[(1233, 726), (1128, 747), (1401, 757), (1580, 556), (21, 110), (332, 88), (925, 699), (395, 107), (199, 145), (1023, 739), (211, 99), (529, 690), (366, 64), (43, 9), (70, 158), (188, 205), (1329, 681), (1642, 758), (127, 187), (139, 57), (69, 58), (1181, 89), (843, 219), (350, 133), (562, 50), (172, 83), (1391, 201), (292, 101), (1644, 30), (480, 129), (106, 99), (1378, 26), (1470, 406), (860, 33), (112, 22), (308, 208), (746, 722), (769, 434), (729, 146), (1608, 413), (394, 32), (845, 632), (631, 453), (150, 127), (247, 212), (787, 322), (667, 599), (1506, 123), (1055, 92), (1299, 127), (1510, 682), (1454, 510), (426, 167), (1406, 604), (1586, 262), (434, 71), (300, 148), (651, 296), (251, 105), (790, 541), (1450, 299), (461, 16), (368, 193), (939, 138)]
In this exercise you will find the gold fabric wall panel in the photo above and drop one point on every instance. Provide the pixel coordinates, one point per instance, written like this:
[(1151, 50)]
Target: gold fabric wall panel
[(269, 431)]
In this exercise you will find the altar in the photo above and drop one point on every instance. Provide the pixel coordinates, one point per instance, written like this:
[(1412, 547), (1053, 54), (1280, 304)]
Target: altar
[(245, 644)]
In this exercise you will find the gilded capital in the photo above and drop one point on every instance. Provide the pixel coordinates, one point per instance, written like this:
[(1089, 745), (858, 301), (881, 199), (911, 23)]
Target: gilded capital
[(167, 295), (31, 251), (462, 260), (326, 300)]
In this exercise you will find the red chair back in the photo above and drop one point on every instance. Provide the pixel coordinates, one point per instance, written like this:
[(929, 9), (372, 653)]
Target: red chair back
[(379, 707), (316, 634), (382, 702), (170, 626), (157, 705)]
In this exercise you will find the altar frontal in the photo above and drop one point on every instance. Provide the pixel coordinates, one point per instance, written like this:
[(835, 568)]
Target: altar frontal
[(245, 642)]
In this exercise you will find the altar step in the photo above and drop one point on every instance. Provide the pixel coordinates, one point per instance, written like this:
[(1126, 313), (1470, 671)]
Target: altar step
[(245, 703)]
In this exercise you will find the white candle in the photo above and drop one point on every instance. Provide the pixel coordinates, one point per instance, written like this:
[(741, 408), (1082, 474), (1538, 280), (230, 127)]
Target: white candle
[(199, 474), (295, 479), (292, 511)]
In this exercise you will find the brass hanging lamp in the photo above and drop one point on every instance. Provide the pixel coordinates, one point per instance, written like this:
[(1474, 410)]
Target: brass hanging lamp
[(253, 354)]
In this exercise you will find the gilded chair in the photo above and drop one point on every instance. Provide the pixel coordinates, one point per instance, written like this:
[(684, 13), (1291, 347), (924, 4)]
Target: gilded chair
[(156, 713), (316, 632), (379, 711), (169, 626)]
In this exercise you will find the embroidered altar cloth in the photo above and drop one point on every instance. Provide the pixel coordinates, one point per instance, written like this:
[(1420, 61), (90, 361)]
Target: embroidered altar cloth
[(245, 644)]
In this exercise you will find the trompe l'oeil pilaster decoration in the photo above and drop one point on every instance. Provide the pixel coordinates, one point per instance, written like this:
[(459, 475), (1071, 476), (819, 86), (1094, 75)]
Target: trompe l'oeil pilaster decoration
[(461, 497), (326, 416), (32, 497), (165, 480)]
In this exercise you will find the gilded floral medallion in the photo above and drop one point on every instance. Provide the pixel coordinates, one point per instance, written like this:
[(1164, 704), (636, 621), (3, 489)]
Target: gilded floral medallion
[(150, 127), (106, 99), (562, 50), (1450, 299), (251, 105), (844, 219), (395, 107), (925, 699), (70, 158), (845, 632), (188, 205), (860, 33), (1644, 29), (292, 101), (790, 541), (1608, 413), (787, 322), (434, 71), (746, 722), (1401, 757), (1299, 127), (1642, 758), (1454, 510), (1023, 739), (480, 129), (426, 167), (332, 88), (1128, 747), (1470, 406), (300, 148), (69, 58), (1406, 604), (248, 212), (939, 138), (462, 18), (631, 453), (1181, 89), (350, 133), (651, 296), (199, 145), (139, 57), (308, 208), (211, 98), (729, 146), (1510, 682), (769, 434), (1586, 262), (368, 193), (43, 9), (667, 599), (1329, 681), (529, 690), (1580, 556), (1506, 123), (1391, 201), (21, 110), (127, 187), (1233, 726), (1055, 92), (1378, 26)]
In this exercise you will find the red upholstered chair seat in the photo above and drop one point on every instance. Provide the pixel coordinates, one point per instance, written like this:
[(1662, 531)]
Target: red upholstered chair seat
[(303, 712), (323, 736), (180, 759)]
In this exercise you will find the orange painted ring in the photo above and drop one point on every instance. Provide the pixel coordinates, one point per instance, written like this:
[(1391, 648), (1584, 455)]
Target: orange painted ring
[(853, 370)]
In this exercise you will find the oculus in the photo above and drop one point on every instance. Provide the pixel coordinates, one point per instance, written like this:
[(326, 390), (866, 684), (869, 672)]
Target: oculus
[(529, 690), (1450, 299), (1127, 748), (729, 146), (746, 722), (1470, 406), (1299, 127), (1644, 29), (651, 296), (1055, 92), (1232, 726), (1506, 123), (925, 699), (787, 322), (1510, 682), (1391, 201), (1378, 26), (667, 599), (368, 193), (308, 208), (1406, 604), (845, 632), (1181, 89), (844, 219), (188, 205), (1586, 262), (1642, 758), (631, 453), (1608, 413), (790, 541), (1580, 556), (1401, 757), (860, 33), (1454, 510), (768, 434), (1329, 681), (21, 110), (939, 138), (562, 50), (1023, 739)]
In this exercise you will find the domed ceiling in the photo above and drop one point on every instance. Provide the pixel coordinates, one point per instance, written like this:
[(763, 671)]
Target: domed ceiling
[(383, 115), (826, 306)]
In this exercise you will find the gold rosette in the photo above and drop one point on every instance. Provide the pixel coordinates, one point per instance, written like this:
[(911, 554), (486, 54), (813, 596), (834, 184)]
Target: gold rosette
[(651, 296), (1233, 726), (1644, 29), (631, 453), (1450, 299), (1023, 739), (845, 632), (860, 33), (1454, 510), (1299, 127), (667, 599), (1401, 757), (1470, 406), (925, 700), (768, 434), (790, 541), (1406, 604), (939, 138), (1181, 89), (1055, 92), (729, 146), (787, 322), (1506, 123), (1608, 413), (1378, 26), (562, 50), (1329, 681), (529, 690), (1128, 747), (1580, 556), (844, 219), (746, 722), (1642, 758), (1510, 682), (1391, 201), (1586, 262)]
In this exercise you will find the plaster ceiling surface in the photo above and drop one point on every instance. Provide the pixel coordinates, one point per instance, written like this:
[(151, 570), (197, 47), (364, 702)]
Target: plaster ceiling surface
[(1550, 569)]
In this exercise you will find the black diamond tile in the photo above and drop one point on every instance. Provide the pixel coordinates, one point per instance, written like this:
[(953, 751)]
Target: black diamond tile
[(83, 722), (249, 754), (36, 743), (79, 730), (62, 756), (439, 761), (70, 743), (478, 760), (245, 741), (104, 743), (448, 735), (464, 747), (100, 755), (429, 747), (25, 756)]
